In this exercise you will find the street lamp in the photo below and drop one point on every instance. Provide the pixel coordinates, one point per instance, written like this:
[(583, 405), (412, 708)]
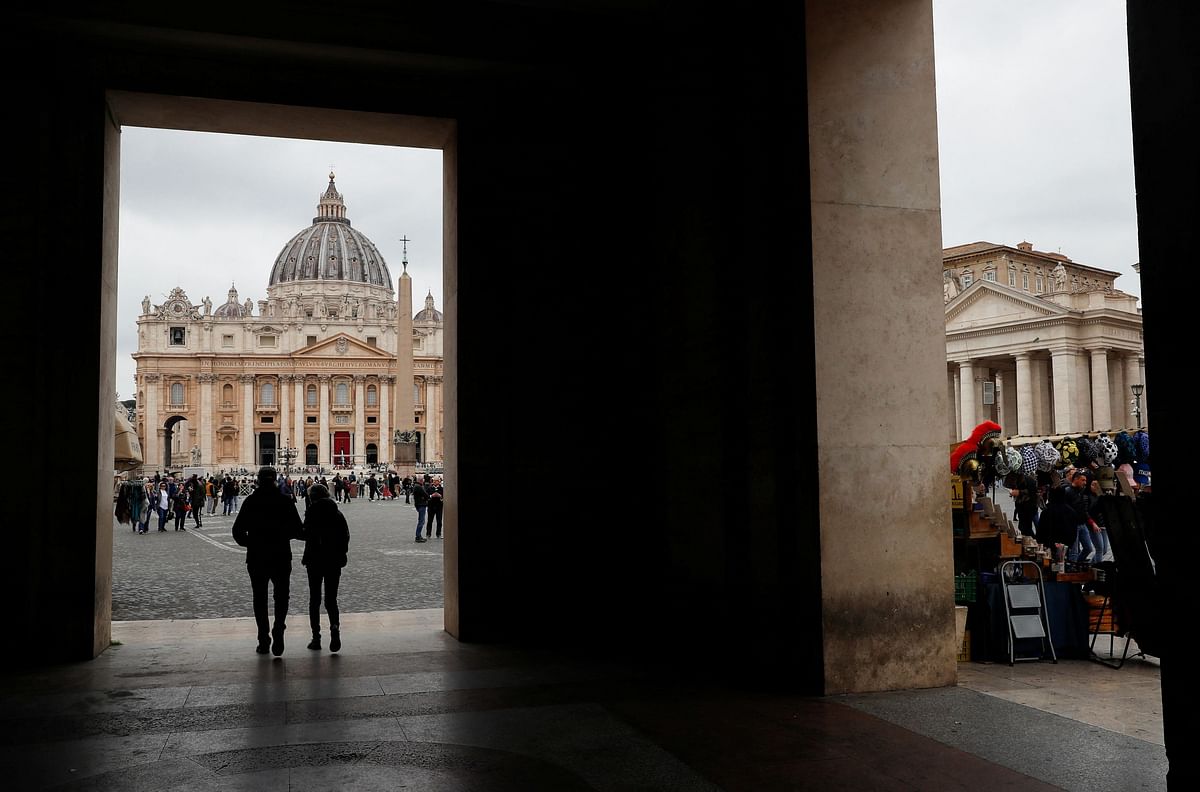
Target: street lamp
[(287, 455), (1136, 402)]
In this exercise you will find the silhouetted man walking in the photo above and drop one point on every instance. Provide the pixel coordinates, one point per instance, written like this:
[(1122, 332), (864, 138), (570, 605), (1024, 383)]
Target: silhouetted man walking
[(265, 526)]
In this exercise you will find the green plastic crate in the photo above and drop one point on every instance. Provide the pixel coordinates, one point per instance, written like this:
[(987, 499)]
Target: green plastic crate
[(964, 587)]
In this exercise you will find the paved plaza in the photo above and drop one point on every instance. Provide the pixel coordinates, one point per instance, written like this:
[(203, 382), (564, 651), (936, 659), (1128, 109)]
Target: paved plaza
[(201, 574)]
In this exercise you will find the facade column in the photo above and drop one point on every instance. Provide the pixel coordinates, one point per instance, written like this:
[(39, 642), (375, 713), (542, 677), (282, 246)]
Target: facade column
[(1133, 376), (360, 421), (433, 423), (1101, 409), (324, 446), (385, 430), (966, 379), (1118, 394), (1043, 415), (247, 433), (1063, 362), (298, 417), (1083, 392), (283, 395), (207, 381), (952, 388), (151, 454), (1026, 427)]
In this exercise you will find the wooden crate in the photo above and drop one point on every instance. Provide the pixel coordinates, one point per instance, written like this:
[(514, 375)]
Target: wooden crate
[(964, 651)]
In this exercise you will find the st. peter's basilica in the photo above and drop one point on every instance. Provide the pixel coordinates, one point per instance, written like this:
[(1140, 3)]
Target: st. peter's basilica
[(318, 367)]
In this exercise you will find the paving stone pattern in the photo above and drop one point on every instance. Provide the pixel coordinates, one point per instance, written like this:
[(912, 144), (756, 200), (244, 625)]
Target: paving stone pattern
[(202, 574)]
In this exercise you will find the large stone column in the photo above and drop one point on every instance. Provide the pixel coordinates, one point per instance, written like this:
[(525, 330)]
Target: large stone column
[(247, 430), (433, 424), (298, 417), (875, 207), (207, 381), (360, 419), (1119, 395), (1043, 415), (1102, 411), (283, 394), (967, 401), (1006, 386), (952, 393), (1063, 362), (151, 449), (1083, 392), (1026, 425), (324, 444), (386, 450)]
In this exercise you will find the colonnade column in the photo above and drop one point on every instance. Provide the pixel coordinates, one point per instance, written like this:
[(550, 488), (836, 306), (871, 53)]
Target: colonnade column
[(1042, 417), (1026, 427), (433, 426), (1118, 394), (1083, 393), (298, 418), (385, 429), (966, 400), (1064, 366), (283, 396), (1101, 409), (324, 447), (952, 389), (360, 421), (206, 418), (151, 455), (247, 453)]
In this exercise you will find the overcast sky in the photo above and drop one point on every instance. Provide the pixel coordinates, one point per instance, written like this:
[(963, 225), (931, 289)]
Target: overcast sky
[(202, 211), (1033, 127), (1034, 130)]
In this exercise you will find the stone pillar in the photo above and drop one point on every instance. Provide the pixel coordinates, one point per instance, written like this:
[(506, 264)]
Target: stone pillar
[(283, 395), (386, 450), (1043, 415), (967, 401), (1119, 395), (1026, 426), (1083, 392), (324, 445), (1133, 376), (1064, 364), (247, 432), (151, 449), (298, 400), (359, 452), (952, 392), (207, 381), (1102, 411), (433, 420)]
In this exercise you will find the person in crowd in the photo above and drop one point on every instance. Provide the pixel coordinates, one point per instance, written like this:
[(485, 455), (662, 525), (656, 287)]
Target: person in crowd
[(1024, 491), (228, 490), (436, 493), (372, 487), (210, 497), (197, 498), (1079, 499), (326, 543), (420, 500), (180, 504), (1099, 529), (265, 526), (163, 504), (1056, 524), (150, 494), (407, 484)]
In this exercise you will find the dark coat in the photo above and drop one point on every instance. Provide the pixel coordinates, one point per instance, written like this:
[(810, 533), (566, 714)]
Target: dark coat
[(265, 526), (1058, 520), (419, 496), (326, 536)]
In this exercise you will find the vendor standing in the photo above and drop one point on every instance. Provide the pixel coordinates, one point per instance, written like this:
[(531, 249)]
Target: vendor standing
[(1024, 491)]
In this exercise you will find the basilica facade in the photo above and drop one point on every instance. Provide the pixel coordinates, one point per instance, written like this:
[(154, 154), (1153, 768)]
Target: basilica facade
[(1043, 345), (330, 370)]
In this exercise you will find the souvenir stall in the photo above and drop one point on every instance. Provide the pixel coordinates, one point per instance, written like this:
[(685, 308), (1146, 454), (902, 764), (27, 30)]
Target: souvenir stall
[(1026, 600)]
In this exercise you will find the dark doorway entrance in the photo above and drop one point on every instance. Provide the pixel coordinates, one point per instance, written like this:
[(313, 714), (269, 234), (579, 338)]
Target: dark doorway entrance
[(372, 454), (266, 448), (310, 454), (168, 439)]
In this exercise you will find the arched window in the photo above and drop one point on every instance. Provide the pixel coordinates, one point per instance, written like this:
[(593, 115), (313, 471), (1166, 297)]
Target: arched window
[(268, 393), (372, 396), (342, 394), (310, 454), (227, 393), (177, 393), (310, 396), (372, 453)]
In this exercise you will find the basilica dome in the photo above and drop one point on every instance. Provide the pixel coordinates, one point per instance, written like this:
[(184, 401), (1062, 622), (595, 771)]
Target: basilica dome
[(330, 250)]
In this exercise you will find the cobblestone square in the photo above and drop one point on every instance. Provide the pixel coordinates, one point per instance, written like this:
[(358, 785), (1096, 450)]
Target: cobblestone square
[(201, 574)]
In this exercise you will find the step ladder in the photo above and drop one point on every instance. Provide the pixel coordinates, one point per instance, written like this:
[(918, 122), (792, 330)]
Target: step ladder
[(1025, 609)]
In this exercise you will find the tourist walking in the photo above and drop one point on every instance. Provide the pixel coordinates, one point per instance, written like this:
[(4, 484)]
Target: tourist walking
[(420, 499), (180, 505), (197, 502), (265, 526), (163, 505), (228, 491), (326, 543)]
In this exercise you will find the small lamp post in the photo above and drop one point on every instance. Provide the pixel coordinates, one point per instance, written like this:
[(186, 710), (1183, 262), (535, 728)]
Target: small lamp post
[(1137, 402), (287, 455)]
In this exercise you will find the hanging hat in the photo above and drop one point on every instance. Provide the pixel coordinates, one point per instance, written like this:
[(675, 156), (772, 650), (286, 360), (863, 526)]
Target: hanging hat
[(1047, 456), (1125, 450), (1029, 460), (1088, 452), (1008, 459), (1106, 450), (1068, 451), (1141, 473), (964, 460), (1141, 445)]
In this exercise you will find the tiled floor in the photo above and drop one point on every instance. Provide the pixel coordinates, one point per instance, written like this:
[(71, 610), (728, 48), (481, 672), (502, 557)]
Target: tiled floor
[(185, 705)]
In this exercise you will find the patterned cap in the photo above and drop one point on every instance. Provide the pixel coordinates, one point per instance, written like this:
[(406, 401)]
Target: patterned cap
[(1029, 460), (1106, 449), (1141, 444), (1125, 451), (1047, 455), (1068, 451), (1007, 460), (1087, 451)]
